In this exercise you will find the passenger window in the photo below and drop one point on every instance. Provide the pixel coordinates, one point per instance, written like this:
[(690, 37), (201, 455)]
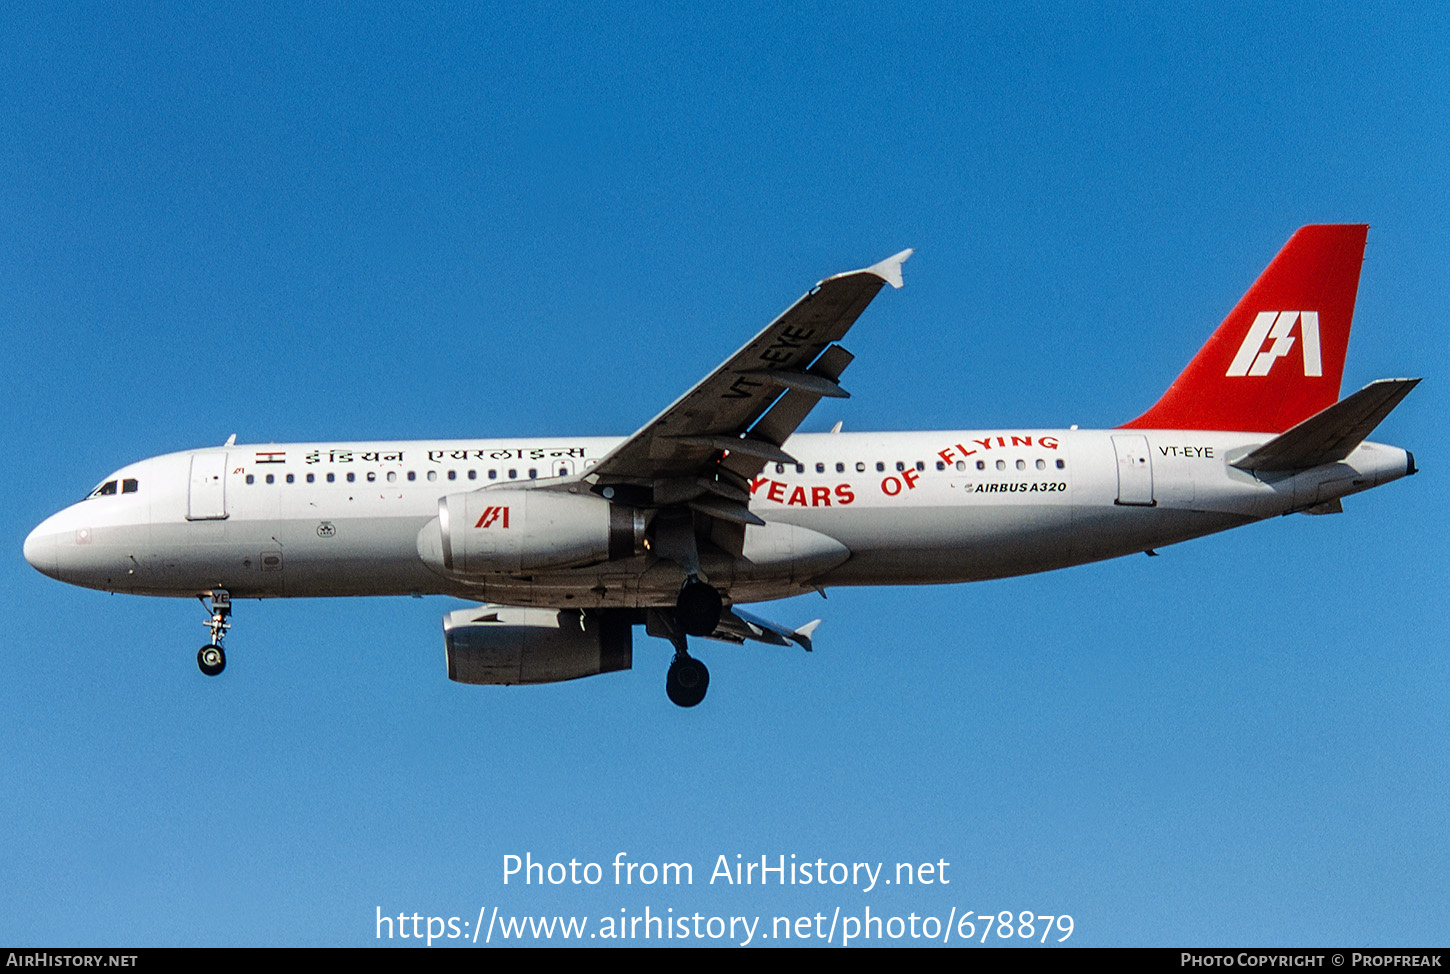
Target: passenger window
[(392, 476), (900, 466), (311, 477), (432, 475), (981, 464), (820, 468), (473, 475), (533, 473), (1021, 464), (1060, 464), (290, 478), (940, 465), (1001, 464), (453, 475), (860, 467), (1041, 464), (372, 476), (961, 464), (780, 468), (800, 468), (513, 474), (921, 465), (880, 466), (493, 475), (128, 486), (251, 479), (840, 468), (331, 477), (271, 478), (351, 476)]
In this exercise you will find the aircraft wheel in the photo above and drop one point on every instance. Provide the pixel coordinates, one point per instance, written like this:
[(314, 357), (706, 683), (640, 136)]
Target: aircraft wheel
[(687, 681), (211, 659), (698, 609)]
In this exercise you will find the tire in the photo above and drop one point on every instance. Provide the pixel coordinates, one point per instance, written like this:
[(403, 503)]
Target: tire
[(698, 609), (687, 681), (211, 659)]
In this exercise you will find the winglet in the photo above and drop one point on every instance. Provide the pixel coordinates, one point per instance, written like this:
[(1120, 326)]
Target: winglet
[(803, 634), (889, 270)]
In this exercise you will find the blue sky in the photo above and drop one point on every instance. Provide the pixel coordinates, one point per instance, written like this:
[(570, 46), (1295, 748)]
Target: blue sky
[(392, 221)]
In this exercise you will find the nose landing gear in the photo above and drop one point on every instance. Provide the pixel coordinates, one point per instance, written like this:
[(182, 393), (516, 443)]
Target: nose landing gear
[(210, 658)]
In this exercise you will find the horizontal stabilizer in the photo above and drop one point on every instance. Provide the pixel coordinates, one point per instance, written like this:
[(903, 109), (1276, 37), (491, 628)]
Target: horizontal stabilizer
[(1331, 434)]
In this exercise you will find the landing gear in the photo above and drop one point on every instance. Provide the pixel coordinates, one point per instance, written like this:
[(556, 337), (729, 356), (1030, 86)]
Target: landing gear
[(687, 681), (210, 658), (698, 608)]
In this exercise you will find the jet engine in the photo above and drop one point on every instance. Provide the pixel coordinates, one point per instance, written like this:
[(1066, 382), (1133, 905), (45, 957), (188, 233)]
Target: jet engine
[(492, 531), (507, 645)]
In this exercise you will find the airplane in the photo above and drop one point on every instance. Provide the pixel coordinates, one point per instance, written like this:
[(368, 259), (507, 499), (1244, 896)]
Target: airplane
[(564, 544)]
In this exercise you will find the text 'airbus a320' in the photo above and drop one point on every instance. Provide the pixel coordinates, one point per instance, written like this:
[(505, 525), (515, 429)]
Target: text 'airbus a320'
[(565, 544)]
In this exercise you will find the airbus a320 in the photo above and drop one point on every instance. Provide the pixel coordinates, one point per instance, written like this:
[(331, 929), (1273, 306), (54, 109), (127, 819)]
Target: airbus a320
[(563, 545)]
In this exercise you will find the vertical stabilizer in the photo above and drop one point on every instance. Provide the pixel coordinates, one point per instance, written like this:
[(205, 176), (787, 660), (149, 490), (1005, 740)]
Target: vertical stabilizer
[(1278, 357)]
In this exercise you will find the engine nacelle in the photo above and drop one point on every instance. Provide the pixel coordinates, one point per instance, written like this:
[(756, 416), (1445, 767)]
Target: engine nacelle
[(506, 645), (492, 531)]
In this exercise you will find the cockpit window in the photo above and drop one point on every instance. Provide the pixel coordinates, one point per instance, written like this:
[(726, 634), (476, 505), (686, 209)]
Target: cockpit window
[(108, 489)]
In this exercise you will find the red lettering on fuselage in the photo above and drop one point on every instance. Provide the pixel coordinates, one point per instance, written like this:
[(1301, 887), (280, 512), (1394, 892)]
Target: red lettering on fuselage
[(815, 496), (986, 443)]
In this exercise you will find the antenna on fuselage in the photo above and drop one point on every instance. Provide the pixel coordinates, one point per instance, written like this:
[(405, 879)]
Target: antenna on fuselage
[(231, 440)]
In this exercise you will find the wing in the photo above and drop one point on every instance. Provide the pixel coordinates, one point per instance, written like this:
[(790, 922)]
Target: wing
[(702, 451)]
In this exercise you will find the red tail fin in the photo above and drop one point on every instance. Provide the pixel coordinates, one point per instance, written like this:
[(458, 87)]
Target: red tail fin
[(1278, 357)]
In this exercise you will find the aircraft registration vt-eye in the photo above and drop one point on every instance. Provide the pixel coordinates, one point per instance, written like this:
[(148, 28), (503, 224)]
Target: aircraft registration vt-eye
[(567, 543)]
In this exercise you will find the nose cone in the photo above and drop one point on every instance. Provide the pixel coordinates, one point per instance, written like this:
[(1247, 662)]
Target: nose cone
[(40, 549)]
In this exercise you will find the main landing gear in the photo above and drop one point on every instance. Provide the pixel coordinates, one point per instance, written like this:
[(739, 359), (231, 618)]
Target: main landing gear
[(697, 613), (687, 680), (698, 608), (210, 658)]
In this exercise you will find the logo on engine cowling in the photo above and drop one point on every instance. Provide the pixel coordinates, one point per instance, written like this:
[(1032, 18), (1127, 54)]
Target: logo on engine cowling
[(492, 516)]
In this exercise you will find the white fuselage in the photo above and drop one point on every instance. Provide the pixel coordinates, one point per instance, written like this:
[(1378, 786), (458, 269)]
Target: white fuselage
[(326, 519)]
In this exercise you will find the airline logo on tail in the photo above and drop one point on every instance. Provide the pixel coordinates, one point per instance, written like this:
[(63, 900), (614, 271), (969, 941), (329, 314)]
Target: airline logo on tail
[(1318, 268), (1275, 326)]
